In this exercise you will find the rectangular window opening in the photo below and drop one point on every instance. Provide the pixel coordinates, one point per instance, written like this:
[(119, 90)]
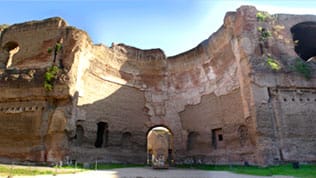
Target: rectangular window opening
[(217, 136)]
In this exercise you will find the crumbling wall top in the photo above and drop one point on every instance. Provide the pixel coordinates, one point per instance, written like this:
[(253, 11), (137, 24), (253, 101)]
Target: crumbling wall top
[(54, 22)]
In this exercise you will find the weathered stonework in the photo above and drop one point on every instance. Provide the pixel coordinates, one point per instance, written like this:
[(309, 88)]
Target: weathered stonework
[(221, 101)]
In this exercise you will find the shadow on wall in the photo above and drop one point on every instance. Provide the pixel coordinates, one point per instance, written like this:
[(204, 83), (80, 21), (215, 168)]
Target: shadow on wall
[(113, 120), (112, 117), (113, 125)]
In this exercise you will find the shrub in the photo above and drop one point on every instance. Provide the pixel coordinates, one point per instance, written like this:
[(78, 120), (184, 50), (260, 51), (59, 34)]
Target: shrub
[(50, 76), (262, 16), (264, 33), (273, 64), (303, 68)]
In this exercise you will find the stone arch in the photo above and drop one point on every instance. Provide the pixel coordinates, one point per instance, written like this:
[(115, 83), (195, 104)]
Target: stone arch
[(10, 48), (304, 37), (159, 146), (192, 140), (102, 135)]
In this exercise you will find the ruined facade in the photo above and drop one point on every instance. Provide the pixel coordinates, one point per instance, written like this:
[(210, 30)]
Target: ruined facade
[(241, 95)]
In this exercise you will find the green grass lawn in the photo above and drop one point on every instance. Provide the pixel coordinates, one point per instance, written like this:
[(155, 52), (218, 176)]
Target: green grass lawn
[(6, 170), (305, 171)]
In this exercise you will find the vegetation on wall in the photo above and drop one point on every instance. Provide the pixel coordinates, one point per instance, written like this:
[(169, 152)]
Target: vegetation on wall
[(273, 64), (50, 76), (53, 71), (262, 16), (264, 34), (303, 68), (55, 49)]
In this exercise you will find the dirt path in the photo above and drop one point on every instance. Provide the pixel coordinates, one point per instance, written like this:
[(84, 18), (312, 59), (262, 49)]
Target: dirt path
[(151, 173)]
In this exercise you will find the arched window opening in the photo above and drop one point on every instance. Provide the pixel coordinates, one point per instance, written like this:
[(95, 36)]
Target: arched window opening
[(102, 135), (304, 37), (11, 48)]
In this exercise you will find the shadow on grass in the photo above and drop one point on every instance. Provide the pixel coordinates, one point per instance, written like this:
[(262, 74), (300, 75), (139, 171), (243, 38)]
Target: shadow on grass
[(102, 166), (305, 171)]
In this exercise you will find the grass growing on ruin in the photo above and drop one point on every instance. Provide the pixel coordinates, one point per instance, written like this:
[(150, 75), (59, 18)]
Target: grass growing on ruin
[(303, 68), (305, 171)]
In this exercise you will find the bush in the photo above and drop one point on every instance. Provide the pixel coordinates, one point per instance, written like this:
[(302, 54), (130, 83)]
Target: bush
[(50, 76), (273, 64), (262, 16), (303, 68)]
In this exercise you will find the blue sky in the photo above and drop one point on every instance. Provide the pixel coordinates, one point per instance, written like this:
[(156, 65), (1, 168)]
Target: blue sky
[(172, 25)]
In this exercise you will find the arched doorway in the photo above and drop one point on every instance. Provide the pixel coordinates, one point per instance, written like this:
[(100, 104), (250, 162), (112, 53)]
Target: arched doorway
[(159, 147)]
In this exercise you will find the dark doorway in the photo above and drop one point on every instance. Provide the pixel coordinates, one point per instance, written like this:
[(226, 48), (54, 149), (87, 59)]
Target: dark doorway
[(102, 135), (304, 37), (217, 138), (79, 135)]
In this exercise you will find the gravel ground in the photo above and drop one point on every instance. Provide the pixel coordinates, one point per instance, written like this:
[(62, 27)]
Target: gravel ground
[(152, 173)]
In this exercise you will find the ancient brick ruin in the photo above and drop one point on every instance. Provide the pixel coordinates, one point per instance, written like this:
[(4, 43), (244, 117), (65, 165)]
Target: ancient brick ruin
[(242, 95)]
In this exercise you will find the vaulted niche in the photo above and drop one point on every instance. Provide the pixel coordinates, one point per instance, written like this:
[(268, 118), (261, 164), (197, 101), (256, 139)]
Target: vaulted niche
[(11, 48), (304, 37)]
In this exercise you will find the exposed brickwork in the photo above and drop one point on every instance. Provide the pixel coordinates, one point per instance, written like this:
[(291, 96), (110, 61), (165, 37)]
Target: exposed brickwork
[(220, 101)]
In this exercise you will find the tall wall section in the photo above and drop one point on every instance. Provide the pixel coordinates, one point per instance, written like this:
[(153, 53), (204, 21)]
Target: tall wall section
[(284, 106), (197, 95), (222, 101), (34, 122), (218, 99)]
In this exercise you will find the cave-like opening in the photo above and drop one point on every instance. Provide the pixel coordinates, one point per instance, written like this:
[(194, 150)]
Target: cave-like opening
[(304, 37)]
